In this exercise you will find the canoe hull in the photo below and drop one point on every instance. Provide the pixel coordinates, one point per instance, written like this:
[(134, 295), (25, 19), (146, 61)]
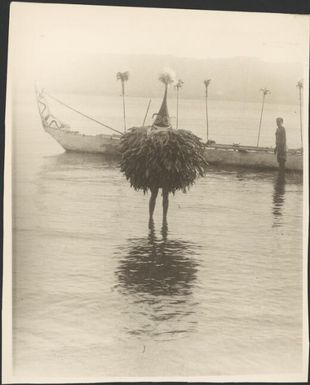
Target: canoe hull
[(252, 159), (74, 141), (108, 145)]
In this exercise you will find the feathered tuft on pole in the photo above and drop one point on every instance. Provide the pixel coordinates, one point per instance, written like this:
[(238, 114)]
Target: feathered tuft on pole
[(265, 91), (123, 76), (299, 84), (167, 76), (179, 84), (207, 82)]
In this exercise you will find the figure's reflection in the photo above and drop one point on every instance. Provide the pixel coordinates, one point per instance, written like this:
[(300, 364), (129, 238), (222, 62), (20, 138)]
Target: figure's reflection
[(158, 274), (158, 266), (278, 197)]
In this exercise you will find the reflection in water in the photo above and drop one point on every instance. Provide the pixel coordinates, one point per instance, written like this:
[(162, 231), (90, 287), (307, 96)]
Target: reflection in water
[(157, 276), (69, 159), (278, 198)]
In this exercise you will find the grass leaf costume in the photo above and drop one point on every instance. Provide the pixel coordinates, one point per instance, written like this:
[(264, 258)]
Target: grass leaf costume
[(158, 156)]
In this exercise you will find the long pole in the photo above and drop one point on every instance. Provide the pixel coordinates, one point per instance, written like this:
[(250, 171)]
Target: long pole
[(147, 110), (260, 121), (207, 115), (124, 111), (177, 107), (300, 110)]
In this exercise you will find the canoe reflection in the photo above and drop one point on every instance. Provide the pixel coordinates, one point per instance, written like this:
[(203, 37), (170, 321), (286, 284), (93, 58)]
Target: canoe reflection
[(157, 276), (278, 198), (69, 160)]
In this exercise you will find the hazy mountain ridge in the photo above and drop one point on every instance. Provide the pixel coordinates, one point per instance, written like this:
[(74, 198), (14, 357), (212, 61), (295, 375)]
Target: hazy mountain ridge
[(238, 78)]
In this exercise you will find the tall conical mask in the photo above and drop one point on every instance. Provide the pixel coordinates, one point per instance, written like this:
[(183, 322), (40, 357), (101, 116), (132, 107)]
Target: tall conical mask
[(162, 118)]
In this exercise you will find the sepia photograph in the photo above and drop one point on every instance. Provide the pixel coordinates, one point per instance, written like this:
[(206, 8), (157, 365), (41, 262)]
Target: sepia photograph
[(155, 195)]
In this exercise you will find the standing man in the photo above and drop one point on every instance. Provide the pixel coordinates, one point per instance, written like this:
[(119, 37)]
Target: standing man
[(280, 149)]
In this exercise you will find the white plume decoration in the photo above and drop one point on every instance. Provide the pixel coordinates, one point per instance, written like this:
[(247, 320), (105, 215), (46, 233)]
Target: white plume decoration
[(167, 76)]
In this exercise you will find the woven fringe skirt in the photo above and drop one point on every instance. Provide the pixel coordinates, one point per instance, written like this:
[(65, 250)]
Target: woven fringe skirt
[(169, 159)]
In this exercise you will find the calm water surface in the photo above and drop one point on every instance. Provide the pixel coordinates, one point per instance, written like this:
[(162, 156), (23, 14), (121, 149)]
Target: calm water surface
[(97, 292)]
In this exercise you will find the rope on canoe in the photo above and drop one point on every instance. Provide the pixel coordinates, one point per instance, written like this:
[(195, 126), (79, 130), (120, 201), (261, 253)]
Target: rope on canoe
[(81, 113)]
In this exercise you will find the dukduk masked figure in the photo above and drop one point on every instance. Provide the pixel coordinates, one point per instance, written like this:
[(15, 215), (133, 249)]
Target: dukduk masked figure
[(160, 157)]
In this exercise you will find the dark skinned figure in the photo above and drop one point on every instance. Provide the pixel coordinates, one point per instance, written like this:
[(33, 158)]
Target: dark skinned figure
[(280, 148)]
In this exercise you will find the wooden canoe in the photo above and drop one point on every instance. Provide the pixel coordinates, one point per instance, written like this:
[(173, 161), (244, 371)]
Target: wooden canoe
[(218, 154)]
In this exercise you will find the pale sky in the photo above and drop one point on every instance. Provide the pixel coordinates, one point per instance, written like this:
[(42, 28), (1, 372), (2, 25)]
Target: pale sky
[(48, 30)]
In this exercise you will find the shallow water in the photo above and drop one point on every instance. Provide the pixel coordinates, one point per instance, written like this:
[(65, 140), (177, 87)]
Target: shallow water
[(99, 292)]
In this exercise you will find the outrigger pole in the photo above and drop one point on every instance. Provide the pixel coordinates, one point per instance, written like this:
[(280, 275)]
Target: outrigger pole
[(81, 113), (147, 110), (123, 77), (177, 87), (206, 83), (300, 86), (265, 91)]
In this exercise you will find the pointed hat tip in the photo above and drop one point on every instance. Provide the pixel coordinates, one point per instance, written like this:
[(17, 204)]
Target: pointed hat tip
[(162, 118)]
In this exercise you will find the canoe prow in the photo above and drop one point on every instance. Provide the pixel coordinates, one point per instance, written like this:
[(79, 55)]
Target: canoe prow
[(74, 140)]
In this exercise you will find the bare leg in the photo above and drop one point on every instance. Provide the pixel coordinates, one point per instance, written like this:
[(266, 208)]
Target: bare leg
[(165, 204), (164, 230), (282, 165), (152, 202)]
